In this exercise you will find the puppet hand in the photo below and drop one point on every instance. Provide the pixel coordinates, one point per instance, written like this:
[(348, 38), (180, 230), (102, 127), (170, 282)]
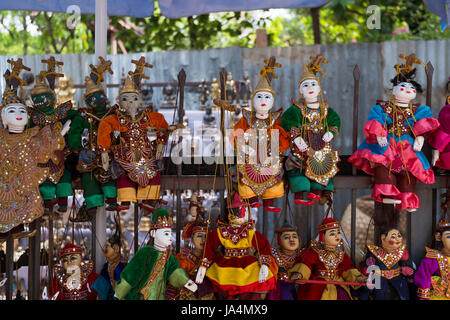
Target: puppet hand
[(382, 141), (263, 273), (361, 279), (105, 161), (327, 137), (418, 143), (65, 128), (301, 144), (191, 286), (200, 275), (407, 271), (296, 276), (435, 157)]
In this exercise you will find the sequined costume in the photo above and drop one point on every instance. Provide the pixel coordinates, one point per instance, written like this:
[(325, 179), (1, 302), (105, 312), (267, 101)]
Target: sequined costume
[(440, 139), (109, 276)]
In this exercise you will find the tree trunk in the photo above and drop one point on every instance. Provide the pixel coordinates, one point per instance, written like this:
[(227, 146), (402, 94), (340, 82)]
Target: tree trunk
[(315, 13)]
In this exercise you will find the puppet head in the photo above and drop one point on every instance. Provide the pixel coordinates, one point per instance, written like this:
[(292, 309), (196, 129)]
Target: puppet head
[(405, 88), (442, 235), (196, 232), (161, 228), (309, 84), (391, 238), (70, 257), (330, 233), (287, 237), (263, 97), (238, 211)]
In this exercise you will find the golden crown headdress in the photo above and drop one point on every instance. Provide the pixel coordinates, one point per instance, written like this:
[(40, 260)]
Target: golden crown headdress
[(94, 81), (49, 75), (161, 219), (133, 81), (13, 82), (267, 73), (311, 69)]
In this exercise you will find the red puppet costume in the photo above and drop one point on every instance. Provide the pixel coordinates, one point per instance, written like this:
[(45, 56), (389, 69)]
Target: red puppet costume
[(73, 279)]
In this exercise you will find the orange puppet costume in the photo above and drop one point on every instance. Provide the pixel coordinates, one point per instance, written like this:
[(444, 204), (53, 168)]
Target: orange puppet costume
[(236, 270), (136, 153), (259, 176)]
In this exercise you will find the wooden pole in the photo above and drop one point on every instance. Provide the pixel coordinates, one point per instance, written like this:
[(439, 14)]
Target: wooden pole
[(315, 14), (356, 77), (50, 251), (9, 266)]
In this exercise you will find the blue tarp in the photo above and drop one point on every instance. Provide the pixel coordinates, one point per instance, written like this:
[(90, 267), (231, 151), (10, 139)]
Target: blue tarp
[(439, 8), (169, 8)]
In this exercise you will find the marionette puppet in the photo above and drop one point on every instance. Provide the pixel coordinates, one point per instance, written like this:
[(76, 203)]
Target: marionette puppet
[(57, 188), (432, 278), (98, 185), (396, 270), (395, 133), (195, 208), (326, 261), (312, 125), (190, 260), (115, 263), (146, 275), (245, 270), (136, 153), (23, 152), (73, 278), (286, 256), (260, 169), (440, 139)]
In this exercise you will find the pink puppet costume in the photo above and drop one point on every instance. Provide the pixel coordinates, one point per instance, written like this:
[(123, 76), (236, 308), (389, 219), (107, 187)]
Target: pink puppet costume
[(395, 133)]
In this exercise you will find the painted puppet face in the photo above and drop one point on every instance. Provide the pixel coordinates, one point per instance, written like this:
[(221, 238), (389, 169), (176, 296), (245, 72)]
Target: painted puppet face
[(392, 240), (15, 115), (163, 237), (111, 251), (198, 240), (332, 237), (71, 261), (263, 102), (310, 90), (132, 104), (43, 100), (404, 92), (444, 237), (97, 100), (289, 240), (193, 211), (242, 216)]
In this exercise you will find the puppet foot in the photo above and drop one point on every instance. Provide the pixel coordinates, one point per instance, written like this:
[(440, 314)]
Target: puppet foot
[(92, 211), (391, 201), (304, 202), (123, 206), (269, 205), (313, 196), (411, 209), (254, 202)]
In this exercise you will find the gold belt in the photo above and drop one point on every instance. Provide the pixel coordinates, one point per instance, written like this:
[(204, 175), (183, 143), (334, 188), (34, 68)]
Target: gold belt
[(389, 274), (237, 252)]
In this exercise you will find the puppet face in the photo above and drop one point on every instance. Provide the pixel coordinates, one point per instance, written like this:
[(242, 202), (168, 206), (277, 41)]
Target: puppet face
[(263, 102), (15, 116), (198, 239), (97, 100), (289, 240), (71, 262), (193, 211), (392, 240), (163, 237), (131, 103), (444, 237), (43, 100), (309, 89), (241, 217), (332, 237), (404, 92), (111, 251)]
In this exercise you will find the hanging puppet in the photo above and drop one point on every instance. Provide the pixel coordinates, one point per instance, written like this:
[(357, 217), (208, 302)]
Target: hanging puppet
[(245, 269), (286, 257), (136, 153), (195, 209), (73, 279), (325, 260), (440, 139), (395, 134), (23, 152), (57, 188), (190, 260), (263, 140), (396, 268), (146, 275), (312, 125), (97, 183), (432, 278), (115, 263)]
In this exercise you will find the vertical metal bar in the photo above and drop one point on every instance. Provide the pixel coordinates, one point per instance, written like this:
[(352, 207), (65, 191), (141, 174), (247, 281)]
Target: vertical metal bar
[(30, 263), (100, 227), (408, 232), (356, 77), (136, 228), (9, 266), (179, 221), (94, 238), (37, 260), (433, 210), (50, 251), (265, 224), (309, 222)]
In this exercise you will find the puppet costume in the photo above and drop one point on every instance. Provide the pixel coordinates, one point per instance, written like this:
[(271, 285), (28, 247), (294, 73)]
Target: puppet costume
[(106, 281), (135, 153), (97, 184), (440, 139), (61, 281), (432, 278), (21, 170), (392, 266), (262, 179), (146, 275), (396, 166), (236, 270), (311, 171), (320, 263)]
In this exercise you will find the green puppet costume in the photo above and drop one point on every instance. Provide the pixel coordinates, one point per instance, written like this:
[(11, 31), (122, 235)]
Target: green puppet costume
[(97, 184), (311, 171), (146, 275)]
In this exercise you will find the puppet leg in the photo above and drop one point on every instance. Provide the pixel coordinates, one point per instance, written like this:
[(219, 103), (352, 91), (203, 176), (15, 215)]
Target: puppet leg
[(126, 192), (109, 190), (92, 192), (276, 191), (64, 190), (384, 189), (406, 185), (246, 193)]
